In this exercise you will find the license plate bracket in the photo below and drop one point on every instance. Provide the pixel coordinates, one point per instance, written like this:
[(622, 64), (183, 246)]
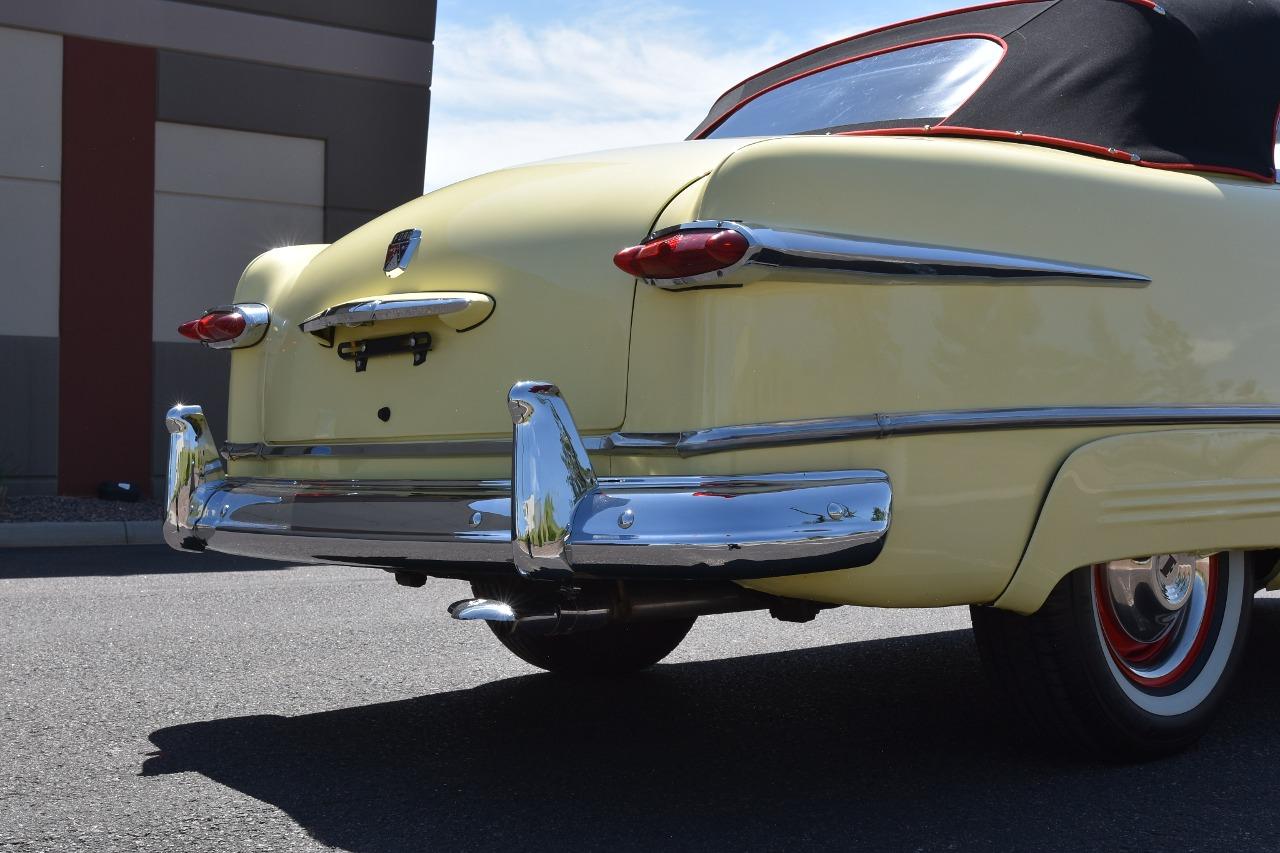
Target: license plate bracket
[(417, 344)]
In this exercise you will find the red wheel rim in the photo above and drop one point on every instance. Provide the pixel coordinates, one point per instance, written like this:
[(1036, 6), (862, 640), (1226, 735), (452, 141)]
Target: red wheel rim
[(1148, 664)]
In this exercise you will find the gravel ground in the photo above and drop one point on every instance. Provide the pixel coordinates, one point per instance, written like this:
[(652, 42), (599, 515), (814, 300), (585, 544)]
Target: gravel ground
[(42, 508), (155, 701)]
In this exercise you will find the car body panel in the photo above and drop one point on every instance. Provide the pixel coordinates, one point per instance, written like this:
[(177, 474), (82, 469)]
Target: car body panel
[(778, 350), (1160, 492), (965, 504), (267, 278), (506, 235)]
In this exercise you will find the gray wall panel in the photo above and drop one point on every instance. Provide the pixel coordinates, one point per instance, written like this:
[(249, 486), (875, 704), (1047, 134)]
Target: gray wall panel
[(344, 220), (30, 225), (375, 132), (29, 429), (211, 31), (31, 104), (23, 486), (214, 161), (406, 18), (187, 373), (204, 243)]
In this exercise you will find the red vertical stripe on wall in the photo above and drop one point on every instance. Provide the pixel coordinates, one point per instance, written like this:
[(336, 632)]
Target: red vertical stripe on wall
[(108, 197)]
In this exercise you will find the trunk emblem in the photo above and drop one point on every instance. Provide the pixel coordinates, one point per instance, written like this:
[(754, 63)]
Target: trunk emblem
[(400, 251)]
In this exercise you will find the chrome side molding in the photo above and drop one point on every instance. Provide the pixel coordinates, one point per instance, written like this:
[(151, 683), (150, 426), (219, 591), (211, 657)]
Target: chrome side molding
[(887, 425), (782, 433), (812, 255)]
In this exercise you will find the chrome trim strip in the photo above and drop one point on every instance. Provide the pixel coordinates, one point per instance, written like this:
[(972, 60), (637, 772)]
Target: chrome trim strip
[(813, 255), (782, 433), (233, 451), (718, 439)]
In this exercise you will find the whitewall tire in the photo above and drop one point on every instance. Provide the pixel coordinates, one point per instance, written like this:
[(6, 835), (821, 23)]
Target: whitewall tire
[(1129, 659)]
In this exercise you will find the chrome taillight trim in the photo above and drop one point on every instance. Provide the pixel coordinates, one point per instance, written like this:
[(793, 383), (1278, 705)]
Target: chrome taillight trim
[(257, 320), (799, 255)]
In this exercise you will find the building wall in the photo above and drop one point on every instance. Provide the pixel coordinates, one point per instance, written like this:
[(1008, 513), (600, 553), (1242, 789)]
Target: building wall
[(374, 130), (149, 149), (30, 203), (222, 198), (104, 298)]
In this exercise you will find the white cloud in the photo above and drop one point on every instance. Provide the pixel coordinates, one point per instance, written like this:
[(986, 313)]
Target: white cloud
[(509, 93)]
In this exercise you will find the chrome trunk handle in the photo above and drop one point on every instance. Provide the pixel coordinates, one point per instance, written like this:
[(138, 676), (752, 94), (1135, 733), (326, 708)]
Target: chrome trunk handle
[(460, 310)]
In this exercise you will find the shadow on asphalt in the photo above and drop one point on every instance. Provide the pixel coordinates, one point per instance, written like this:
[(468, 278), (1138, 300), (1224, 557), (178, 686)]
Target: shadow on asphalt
[(886, 745), (119, 560)]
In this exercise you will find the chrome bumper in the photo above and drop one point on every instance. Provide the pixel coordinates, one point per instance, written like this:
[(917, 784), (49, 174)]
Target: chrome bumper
[(554, 519)]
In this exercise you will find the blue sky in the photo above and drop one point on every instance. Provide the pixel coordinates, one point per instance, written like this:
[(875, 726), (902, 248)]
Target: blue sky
[(516, 82)]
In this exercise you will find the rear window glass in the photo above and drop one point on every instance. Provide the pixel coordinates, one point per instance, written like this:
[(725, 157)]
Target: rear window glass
[(914, 85)]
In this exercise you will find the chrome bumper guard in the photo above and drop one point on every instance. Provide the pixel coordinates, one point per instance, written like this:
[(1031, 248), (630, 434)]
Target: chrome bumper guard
[(555, 519)]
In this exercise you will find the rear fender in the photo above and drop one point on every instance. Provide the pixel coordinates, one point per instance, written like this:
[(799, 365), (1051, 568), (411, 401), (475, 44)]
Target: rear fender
[(267, 277), (1152, 493)]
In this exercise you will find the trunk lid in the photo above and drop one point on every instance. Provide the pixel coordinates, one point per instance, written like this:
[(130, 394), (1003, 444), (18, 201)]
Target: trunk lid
[(538, 240)]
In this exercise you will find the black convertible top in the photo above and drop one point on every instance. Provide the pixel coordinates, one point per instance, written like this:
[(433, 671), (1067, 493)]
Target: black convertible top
[(1189, 84)]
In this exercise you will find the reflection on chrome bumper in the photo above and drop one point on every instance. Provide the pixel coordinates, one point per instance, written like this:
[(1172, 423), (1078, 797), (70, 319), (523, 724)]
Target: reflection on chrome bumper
[(554, 519)]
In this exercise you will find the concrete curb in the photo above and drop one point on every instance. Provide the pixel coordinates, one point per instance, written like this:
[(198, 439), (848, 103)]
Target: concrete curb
[(51, 534)]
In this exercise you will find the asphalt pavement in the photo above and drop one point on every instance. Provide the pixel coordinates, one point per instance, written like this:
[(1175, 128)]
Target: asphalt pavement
[(159, 701)]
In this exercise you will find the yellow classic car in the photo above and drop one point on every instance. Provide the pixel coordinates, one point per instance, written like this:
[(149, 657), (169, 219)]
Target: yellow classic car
[(972, 310)]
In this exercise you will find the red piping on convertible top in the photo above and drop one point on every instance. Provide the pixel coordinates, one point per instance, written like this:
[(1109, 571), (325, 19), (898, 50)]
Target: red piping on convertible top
[(849, 60), (1056, 142), (979, 133), (1275, 137), (1146, 4)]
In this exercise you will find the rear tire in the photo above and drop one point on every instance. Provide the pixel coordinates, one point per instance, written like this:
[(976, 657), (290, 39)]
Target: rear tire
[(613, 650), (1071, 670)]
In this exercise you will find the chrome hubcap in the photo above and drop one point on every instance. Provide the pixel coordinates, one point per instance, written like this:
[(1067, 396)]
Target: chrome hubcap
[(1147, 593), (1153, 612)]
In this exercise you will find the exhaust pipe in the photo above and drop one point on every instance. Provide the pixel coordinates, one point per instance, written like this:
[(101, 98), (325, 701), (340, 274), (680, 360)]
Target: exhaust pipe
[(586, 607), (481, 609)]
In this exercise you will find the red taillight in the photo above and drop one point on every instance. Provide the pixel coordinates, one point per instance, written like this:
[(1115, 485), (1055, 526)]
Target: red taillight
[(683, 254), (214, 327)]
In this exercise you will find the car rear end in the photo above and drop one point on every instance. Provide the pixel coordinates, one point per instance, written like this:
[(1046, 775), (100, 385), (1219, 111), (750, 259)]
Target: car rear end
[(400, 399)]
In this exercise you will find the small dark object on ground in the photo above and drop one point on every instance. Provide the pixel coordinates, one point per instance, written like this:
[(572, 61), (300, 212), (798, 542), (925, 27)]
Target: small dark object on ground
[(112, 490), (48, 508)]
